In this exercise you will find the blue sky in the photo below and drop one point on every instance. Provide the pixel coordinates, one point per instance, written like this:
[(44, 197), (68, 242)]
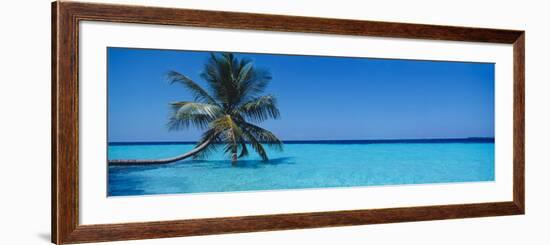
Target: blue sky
[(320, 98)]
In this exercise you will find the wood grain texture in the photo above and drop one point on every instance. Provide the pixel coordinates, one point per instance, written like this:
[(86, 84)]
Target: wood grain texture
[(54, 123), (149, 230), (65, 124), (234, 20), (519, 122)]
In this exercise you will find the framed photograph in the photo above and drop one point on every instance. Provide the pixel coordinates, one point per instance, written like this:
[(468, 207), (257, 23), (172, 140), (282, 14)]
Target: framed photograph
[(175, 122)]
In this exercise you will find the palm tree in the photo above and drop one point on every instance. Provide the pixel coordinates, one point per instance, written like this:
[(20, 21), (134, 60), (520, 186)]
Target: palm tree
[(234, 99)]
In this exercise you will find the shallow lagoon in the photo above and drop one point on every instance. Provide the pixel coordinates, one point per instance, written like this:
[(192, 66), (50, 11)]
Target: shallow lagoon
[(301, 165)]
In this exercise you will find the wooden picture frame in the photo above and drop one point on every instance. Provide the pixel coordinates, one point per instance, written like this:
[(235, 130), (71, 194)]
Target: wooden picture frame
[(65, 121)]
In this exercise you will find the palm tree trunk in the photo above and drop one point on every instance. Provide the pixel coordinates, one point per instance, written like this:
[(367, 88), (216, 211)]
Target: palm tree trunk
[(234, 158), (162, 161)]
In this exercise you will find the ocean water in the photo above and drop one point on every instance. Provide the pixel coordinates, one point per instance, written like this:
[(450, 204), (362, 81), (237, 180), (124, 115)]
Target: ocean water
[(303, 165)]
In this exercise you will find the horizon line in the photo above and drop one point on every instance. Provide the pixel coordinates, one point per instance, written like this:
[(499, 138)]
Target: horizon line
[(469, 139)]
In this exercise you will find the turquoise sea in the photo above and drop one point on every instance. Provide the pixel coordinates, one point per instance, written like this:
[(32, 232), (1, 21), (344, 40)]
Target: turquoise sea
[(304, 164)]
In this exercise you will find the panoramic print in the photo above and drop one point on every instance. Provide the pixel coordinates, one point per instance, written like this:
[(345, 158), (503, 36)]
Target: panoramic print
[(201, 122)]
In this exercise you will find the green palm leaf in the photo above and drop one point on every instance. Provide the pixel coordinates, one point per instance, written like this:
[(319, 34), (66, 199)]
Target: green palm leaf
[(263, 136), (256, 144), (199, 94), (260, 109), (187, 113)]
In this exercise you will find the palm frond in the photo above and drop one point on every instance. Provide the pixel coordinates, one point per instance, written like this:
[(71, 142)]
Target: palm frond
[(212, 136), (185, 114), (244, 150), (255, 82), (256, 145), (198, 92), (263, 136), (260, 109), (219, 74), (244, 71)]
